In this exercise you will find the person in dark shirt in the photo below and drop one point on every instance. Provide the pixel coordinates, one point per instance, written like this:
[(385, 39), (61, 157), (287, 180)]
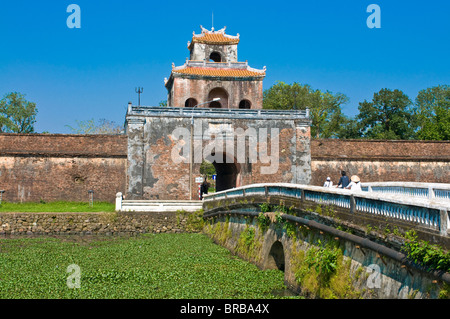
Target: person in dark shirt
[(343, 181), (204, 188)]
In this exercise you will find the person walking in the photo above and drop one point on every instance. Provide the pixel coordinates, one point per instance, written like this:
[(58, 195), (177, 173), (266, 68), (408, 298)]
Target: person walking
[(343, 181)]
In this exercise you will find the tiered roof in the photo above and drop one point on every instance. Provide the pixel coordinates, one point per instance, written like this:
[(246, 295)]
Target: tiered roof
[(204, 69), (213, 37)]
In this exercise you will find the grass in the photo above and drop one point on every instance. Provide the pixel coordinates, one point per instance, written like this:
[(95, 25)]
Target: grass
[(148, 266), (56, 207)]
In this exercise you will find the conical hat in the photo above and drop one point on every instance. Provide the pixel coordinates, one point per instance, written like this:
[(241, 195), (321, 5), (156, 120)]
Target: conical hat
[(355, 179)]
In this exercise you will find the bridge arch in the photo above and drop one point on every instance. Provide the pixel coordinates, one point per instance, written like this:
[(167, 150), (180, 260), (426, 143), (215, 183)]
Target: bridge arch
[(276, 258)]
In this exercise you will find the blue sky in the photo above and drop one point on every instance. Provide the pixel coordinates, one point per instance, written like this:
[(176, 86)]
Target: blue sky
[(92, 72)]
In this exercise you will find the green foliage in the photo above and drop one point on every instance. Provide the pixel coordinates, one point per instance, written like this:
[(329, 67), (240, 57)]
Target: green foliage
[(265, 207), (263, 222), (291, 229), (325, 107), (147, 266), (248, 236), (89, 127), (207, 168), (425, 254), (323, 260), (388, 116), (17, 115), (194, 220), (433, 113), (57, 206)]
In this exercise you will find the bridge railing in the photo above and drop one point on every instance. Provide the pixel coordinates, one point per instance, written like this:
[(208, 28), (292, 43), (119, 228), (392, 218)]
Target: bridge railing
[(438, 191), (425, 212)]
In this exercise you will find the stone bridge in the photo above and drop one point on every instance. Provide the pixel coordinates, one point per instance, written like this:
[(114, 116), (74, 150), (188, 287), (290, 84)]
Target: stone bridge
[(332, 243)]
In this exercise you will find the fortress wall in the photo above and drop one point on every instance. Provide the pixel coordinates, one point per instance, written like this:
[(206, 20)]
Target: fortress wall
[(51, 167)]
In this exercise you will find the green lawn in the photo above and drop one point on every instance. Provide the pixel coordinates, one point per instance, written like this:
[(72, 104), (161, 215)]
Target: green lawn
[(55, 207), (147, 266)]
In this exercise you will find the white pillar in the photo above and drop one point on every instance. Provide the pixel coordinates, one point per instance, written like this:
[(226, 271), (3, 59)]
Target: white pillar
[(118, 202)]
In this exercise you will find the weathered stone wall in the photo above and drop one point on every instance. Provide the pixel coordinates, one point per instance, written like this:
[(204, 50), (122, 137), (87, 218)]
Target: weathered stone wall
[(13, 224), (199, 89), (378, 161), (53, 167), (154, 172), (360, 272), (50, 167)]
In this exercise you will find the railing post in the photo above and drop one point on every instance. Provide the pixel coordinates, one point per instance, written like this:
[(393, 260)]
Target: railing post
[(119, 202), (431, 192), (303, 195), (266, 192), (352, 204), (443, 227)]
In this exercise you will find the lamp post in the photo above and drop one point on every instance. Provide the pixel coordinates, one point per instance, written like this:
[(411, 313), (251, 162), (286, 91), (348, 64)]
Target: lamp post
[(191, 155)]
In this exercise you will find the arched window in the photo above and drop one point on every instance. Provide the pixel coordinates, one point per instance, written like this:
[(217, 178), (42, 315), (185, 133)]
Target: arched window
[(191, 102), (244, 104), (215, 56), (218, 93)]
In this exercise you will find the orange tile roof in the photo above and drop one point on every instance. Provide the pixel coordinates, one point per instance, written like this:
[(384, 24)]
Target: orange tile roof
[(214, 38), (219, 72)]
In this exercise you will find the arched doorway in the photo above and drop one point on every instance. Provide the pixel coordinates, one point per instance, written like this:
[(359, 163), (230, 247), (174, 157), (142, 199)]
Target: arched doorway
[(227, 172), (215, 57), (245, 104), (276, 258), (218, 93), (190, 102)]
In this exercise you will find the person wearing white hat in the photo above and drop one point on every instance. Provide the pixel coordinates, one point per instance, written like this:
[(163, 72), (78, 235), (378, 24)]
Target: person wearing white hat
[(355, 184), (328, 183)]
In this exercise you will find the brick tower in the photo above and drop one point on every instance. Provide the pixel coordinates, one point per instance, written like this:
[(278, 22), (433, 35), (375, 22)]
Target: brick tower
[(213, 71)]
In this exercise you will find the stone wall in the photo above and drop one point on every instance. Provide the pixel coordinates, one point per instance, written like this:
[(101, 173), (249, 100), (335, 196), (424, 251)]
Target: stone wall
[(199, 89), (159, 164), (53, 167), (13, 224), (378, 161), (360, 273)]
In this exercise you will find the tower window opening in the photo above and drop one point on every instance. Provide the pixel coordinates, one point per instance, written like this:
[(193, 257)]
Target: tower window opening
[(215, 56), (244, 104), (191, 102)]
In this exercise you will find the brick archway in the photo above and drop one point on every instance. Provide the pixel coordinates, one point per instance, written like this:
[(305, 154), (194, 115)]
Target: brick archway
[(227, 171), (221, 93)]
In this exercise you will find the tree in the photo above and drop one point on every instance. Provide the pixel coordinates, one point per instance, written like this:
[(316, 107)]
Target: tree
[(433, 113), (207, 168), (17, 115), (89, 127), (349, 129), (388, 116), (325, 107)]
